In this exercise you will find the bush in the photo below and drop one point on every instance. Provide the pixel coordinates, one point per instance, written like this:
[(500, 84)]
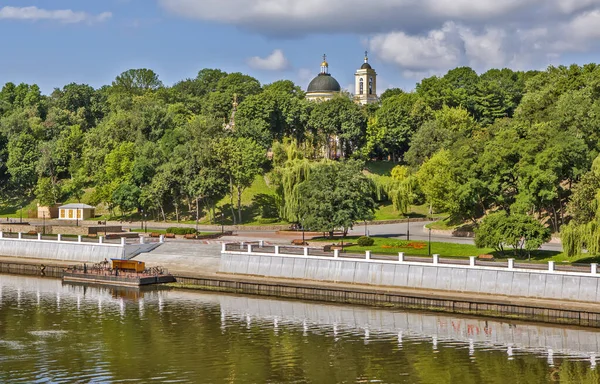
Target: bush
[(181, 231), (263, 220), (365, 241)]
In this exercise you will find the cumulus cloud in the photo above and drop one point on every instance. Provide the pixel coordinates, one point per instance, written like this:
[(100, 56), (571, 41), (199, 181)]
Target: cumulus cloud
[(276, 61), (423, 36), (66, 16), (278, 17)]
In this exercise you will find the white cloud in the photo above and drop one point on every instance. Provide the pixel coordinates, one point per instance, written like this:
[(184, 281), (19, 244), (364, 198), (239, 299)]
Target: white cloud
[(276, 61), (423, 36), (437, 50), (66, 16)]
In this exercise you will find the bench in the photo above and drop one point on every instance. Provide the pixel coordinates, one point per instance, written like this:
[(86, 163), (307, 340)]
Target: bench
[(485, 257), (299, 242), (154, 234), (93, 235), (32, 233), (190, 236), (170, 236)]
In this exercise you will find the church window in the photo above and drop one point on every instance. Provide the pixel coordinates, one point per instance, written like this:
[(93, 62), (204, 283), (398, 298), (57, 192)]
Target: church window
[(370, 85), (361, 87)]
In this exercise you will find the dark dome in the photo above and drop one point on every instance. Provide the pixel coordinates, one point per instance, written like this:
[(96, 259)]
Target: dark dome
[(324, 83), (366, 66)]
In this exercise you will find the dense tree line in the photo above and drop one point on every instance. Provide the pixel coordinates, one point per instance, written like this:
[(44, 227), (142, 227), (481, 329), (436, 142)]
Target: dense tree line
[(468, 144)]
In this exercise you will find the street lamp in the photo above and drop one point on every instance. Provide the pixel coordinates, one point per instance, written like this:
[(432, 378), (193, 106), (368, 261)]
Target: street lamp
[(146, 225), (366, 231), (222, 223), (21, 214), (429, 242), (302, 222), (408, 229), (44, 223)]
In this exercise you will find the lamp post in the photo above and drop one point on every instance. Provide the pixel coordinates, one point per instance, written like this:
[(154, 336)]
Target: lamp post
[(146, 221), (429, 244), (366, 231), (44, 223), (21, 214), (302, 222), (408, 229), (142, 218), (197, 209), (222, 223)]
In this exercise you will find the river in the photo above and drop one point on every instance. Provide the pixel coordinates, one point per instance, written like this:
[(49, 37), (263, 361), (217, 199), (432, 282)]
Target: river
[(61, 333)]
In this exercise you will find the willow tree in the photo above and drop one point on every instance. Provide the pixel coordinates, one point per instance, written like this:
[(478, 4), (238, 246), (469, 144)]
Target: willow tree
[(291, 169)]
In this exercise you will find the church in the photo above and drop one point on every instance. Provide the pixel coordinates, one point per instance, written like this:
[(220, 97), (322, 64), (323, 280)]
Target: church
[(325, 87)]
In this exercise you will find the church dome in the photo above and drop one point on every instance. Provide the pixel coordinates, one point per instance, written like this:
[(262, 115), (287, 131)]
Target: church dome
[(324, 83), (366, 66)]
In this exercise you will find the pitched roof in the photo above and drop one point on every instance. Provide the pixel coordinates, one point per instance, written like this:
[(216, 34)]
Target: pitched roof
[(76, 206)]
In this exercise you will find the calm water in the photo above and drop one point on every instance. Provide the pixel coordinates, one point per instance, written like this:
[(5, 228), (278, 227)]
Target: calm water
[(50, 332)]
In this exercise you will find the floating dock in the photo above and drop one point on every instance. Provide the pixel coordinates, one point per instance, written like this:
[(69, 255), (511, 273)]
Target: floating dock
[(118, 272)]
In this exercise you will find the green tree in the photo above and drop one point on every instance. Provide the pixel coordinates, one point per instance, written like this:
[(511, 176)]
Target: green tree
[(335, 196), (126, 197), (437, 181), (519, 232), (241, 159), (137, 81), (47, 192)]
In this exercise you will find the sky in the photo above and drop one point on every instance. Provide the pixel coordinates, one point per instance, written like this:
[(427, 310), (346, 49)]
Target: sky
[(53, 43)]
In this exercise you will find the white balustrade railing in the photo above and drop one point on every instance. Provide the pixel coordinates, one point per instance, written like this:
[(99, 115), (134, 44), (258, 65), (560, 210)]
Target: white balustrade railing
[(436, 260)]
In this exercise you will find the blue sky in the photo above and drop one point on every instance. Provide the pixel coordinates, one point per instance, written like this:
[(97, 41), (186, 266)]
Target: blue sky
[(62, 41)]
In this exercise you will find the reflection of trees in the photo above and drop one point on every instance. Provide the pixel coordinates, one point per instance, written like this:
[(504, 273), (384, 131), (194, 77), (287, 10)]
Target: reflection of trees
[(185, 340)]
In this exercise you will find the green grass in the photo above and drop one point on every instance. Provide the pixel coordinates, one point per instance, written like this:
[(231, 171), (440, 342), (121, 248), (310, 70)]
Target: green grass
[(455, 250), (386, 211), (381, 247), (449, 224), (13, 210), (381, 168)]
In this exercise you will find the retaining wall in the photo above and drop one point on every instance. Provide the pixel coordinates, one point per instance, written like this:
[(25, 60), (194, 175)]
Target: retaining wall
[(547, 284), (70, 251)]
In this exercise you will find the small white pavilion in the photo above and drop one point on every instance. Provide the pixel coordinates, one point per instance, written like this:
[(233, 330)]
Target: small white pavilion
[(76, 212)]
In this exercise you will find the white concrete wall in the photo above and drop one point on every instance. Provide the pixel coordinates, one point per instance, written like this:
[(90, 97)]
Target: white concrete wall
[(447, 277), (70, 251)]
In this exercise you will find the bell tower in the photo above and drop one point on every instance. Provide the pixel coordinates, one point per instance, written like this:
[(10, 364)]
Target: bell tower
[(365, 91)]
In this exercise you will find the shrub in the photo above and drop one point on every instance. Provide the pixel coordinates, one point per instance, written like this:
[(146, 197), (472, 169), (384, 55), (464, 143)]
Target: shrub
[(365, 241), (263, 220), (181, 231)]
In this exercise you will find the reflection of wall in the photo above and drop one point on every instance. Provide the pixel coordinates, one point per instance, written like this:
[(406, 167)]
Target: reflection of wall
[(530, 337), (492, 333), (445, 277)]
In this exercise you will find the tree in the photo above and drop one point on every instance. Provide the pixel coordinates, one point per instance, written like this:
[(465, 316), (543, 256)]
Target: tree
[(22, 158), (241, 159), (47, 192), (335, 196), (137, 81), (126, 197), (436, 178), (520, 232), (339, 117)]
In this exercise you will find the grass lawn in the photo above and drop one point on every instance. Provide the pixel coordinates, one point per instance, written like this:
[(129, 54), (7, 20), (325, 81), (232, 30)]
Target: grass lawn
[(381, 168), (387, 246), (386, 211)]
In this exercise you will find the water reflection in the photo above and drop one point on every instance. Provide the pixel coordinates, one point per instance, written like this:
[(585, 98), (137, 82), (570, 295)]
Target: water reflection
[(50, 331)]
